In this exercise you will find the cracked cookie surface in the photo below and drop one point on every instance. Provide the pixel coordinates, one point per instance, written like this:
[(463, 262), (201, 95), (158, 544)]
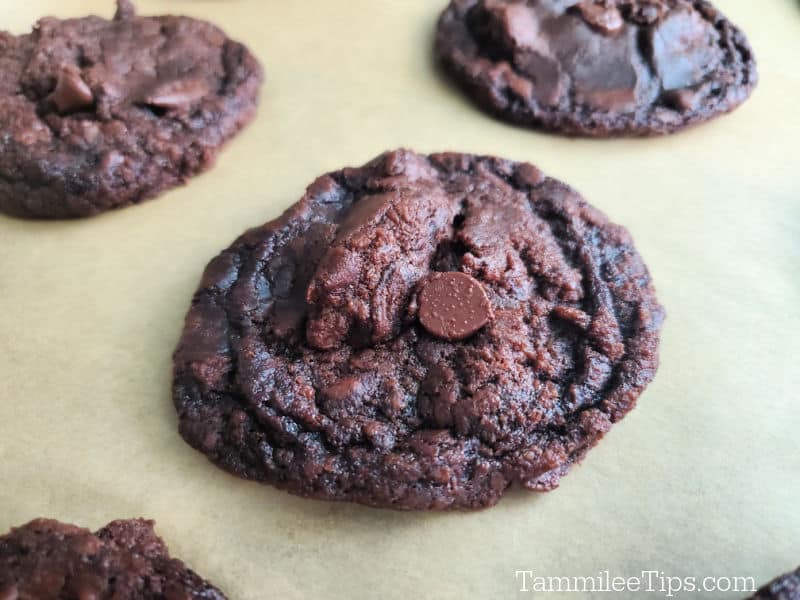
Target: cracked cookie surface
[(422, 332), (97, 114), (125, 560), (597, 67)]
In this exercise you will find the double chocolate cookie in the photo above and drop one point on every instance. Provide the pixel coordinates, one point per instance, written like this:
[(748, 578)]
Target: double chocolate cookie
[(125, 560), (783, 588), (98, 114), (418, 333), (597, 67)]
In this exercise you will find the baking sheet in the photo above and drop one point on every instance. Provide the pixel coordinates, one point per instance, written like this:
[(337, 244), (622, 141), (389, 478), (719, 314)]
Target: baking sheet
[(703, 479)]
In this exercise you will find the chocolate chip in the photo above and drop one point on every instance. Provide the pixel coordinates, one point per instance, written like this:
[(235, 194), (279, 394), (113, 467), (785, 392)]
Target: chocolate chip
[(453, 306), (177, 94), (71, 93)]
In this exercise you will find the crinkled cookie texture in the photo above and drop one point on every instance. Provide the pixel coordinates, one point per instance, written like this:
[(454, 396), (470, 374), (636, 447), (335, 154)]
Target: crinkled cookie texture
[(783, 588), (98, 114), (597, 67), (125, 560), (422, 332)]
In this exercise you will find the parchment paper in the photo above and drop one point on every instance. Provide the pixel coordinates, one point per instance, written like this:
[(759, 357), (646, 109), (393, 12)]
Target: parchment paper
[(702, 479)]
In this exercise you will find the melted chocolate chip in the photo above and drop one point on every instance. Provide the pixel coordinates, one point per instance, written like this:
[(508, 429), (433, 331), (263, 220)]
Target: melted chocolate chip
[(71, 93), (453, 306)]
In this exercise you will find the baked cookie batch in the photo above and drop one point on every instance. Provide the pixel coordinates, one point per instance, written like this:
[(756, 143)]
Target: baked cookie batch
[(421, 332)]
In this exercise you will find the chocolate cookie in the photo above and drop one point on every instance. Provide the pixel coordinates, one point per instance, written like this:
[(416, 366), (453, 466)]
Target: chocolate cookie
[(783, 588), (99, 114), (421, 332), (597, 67), (126, 560)]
